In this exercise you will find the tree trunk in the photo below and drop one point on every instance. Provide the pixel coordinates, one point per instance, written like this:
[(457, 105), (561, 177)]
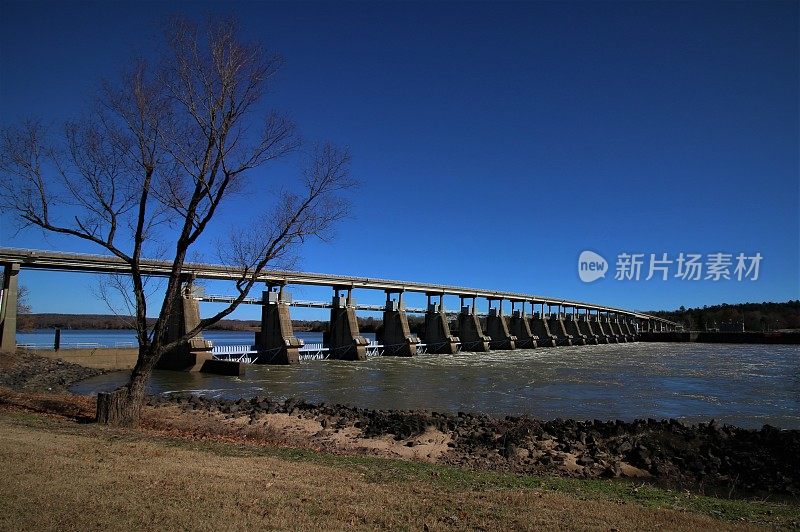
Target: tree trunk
[(123, 406)]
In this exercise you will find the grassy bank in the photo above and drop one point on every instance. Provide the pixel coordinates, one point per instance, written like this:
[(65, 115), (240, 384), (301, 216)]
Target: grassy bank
[(58, 473)]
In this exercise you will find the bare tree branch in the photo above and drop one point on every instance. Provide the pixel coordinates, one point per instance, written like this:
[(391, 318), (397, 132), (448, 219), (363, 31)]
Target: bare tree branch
[(154, 160)]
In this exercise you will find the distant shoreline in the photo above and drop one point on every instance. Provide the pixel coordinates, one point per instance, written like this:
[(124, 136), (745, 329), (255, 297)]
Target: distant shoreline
[(756, 317), (112, 322)]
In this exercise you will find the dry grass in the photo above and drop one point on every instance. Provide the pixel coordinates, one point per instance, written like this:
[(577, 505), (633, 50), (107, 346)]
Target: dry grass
[(184, 471), (84, 477)]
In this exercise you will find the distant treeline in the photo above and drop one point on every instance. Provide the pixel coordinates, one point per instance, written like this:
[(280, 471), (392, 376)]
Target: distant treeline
[(111, 321), (755, 316), (105, 321)]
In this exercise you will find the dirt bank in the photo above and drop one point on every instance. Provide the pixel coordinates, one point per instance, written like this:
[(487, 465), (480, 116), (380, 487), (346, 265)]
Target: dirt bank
[(707, 456), (25, 371)]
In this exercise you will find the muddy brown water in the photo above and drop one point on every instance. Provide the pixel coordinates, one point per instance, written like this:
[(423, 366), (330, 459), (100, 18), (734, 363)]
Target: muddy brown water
[(744, 385)]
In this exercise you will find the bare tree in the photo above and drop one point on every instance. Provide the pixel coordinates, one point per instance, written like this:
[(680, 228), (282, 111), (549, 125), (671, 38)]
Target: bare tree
[(149, 167), (24, 318)]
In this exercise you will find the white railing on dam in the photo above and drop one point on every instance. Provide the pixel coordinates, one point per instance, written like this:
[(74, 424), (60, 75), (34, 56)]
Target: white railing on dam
[(76, 345), (312, 351)]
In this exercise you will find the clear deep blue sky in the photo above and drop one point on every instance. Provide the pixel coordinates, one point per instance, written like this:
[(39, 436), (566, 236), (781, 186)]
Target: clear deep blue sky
[(495, 142)]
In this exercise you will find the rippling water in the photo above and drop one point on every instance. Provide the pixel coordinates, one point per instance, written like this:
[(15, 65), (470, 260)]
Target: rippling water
[(745, 385)]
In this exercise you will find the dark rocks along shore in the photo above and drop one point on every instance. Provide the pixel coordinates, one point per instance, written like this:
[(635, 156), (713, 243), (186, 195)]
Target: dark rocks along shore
[(26, 371), (721, 458)]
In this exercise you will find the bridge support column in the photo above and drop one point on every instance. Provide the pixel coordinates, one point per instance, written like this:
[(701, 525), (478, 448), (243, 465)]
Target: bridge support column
[(605, 330), (542, 329), (605, 321), (184, 316), (625, 328), (437, 329), (613, 325), (521, 328), (582, 328), (497, 329), (628, 329), (593, 327), (8, 308), (559, 329), (343, 337), (397, 339), (571, 328), (276, 342), (470, 330)]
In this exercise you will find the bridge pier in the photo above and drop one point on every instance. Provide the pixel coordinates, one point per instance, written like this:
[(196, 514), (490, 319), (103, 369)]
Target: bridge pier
[(582, 328), (470, 330), (593, 328), (8, 311), (343, 337), (571, 327), (602, 326), (397, 339), (558, 328), (497, 328), (542, 329), (606, 321), (184, 316), (613, 325), (276, 342), (616, 326), (628, 329), (521, 328), (620, 325), (437, 329)]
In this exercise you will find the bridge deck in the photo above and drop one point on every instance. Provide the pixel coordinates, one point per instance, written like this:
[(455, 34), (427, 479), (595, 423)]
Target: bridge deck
[(59, 261)]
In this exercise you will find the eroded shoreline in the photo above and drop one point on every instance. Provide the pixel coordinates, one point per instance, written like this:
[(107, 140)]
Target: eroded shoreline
[(706, 455)]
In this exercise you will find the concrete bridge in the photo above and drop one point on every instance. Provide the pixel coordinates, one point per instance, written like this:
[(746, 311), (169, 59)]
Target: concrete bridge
[(535, 321)]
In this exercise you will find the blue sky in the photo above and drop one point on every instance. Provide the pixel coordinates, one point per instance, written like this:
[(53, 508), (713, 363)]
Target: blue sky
[(494, 142)]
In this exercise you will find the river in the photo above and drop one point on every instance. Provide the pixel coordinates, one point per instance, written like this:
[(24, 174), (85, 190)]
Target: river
[(744, 385)]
